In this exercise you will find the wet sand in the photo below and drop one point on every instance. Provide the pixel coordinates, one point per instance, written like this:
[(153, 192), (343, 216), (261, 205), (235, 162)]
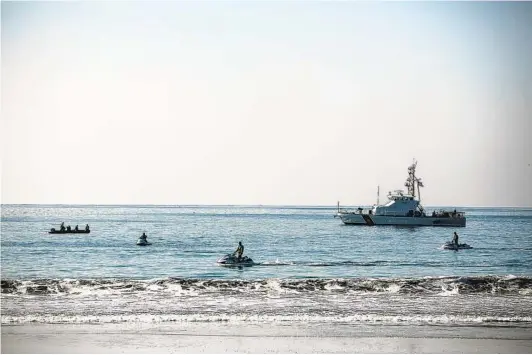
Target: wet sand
[(227, 338)]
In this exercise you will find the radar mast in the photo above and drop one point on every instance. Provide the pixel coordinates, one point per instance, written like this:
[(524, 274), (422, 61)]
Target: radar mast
[(413, 181)]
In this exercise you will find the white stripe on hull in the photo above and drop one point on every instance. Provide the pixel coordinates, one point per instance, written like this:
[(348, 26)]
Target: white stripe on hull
[(402, 221)]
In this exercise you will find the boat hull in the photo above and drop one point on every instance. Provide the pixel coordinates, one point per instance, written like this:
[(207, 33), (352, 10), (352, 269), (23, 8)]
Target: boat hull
[(69, 232), (373, 220)]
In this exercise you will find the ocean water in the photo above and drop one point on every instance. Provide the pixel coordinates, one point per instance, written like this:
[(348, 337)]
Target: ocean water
[(310, 268)]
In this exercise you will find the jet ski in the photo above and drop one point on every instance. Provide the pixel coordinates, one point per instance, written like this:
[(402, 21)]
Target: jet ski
[(232, 260), (143, 241), (451, 246)]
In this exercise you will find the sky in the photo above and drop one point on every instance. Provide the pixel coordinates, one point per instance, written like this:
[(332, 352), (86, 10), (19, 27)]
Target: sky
[(265, 102)]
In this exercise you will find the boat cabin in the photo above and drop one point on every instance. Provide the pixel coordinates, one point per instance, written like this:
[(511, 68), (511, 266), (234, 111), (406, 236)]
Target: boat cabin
[(400, 204)]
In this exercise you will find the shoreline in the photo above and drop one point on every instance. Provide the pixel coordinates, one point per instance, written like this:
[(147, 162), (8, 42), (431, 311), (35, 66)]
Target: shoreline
[(261, 338)]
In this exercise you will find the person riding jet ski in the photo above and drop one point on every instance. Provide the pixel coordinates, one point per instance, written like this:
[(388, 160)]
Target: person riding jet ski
[(455, 240), (239, 251), (454, 245), (143, 239), (236, 258)]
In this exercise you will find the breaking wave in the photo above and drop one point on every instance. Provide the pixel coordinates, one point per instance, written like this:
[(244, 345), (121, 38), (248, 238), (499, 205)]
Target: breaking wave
[(497, 285), (261, 319)]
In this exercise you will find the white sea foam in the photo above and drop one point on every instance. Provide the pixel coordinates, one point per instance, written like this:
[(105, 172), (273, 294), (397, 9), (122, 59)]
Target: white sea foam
[(259, 319), (449, 292), (196, 287), (393, 288)]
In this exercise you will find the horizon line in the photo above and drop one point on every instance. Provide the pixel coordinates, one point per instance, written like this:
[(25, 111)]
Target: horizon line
[(235, 205)]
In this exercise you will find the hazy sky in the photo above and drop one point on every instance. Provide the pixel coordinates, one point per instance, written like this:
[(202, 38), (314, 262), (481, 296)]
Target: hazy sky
[(265, 102)]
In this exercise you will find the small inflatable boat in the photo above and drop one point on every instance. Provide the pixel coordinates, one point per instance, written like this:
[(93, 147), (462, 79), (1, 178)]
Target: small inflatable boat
[(69, 231)]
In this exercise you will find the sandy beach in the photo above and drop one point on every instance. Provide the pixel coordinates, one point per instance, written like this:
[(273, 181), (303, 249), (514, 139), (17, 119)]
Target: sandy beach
[(225, 338)]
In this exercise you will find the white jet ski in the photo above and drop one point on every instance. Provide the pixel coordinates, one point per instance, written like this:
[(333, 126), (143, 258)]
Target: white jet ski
[(232, 260), (143, 241), (451, 246)]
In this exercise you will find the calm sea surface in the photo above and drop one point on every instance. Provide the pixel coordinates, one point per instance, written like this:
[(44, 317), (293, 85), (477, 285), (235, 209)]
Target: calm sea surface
[(310, 267)]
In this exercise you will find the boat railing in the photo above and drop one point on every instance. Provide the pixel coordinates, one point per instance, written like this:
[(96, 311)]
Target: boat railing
[(356, 211), (448, 214), (392, 214)]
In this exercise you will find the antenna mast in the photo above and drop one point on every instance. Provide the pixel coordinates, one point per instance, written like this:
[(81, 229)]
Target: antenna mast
[(412, 181)]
